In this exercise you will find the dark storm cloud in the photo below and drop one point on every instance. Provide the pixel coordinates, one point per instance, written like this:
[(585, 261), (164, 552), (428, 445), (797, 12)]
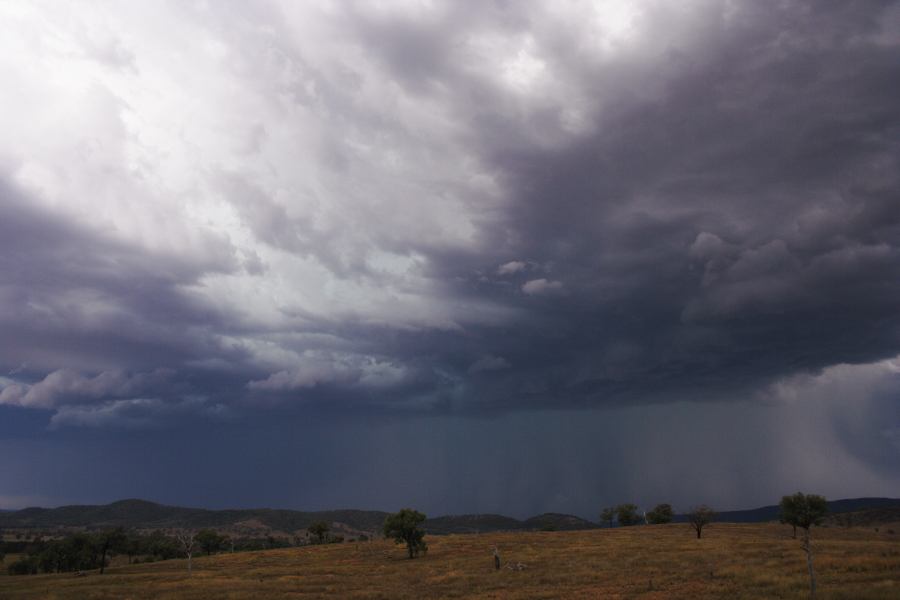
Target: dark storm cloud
[(87, 317), (729, 216), (738, 222), (287, 217)]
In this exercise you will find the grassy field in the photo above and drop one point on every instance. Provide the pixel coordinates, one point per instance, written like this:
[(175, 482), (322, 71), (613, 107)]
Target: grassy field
[(664, 561)]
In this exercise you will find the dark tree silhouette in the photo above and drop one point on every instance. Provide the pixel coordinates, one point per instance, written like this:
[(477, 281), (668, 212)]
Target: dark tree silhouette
[(209, 541), (661, 513), (319, 529), (607, 515), (699, 517), (627, 514)]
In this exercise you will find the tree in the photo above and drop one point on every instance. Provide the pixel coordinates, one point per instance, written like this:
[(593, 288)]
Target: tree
[(319, 529), (111, 542), (131, 546), (188, 541), (404, 528), (699, 516), (627, 514), (661, 513), (607, 515), (804, 511), (782, 518), (209, 541), (162, 547)]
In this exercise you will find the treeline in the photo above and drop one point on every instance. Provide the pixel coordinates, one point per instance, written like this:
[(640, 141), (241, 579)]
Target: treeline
[(627, 514), (86, 551), (90, 551)]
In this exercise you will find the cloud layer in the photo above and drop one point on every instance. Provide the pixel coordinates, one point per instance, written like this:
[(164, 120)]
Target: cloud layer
[(424, 209)]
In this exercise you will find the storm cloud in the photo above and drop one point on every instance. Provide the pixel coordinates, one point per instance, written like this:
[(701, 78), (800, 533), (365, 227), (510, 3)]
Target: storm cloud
[(271, 214)]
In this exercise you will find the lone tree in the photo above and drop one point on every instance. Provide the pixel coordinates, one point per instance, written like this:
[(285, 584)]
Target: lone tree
[(209, 541), (188, 541), (607, 515), (404, 528), (319, 530), (661, 513), (804, 511), (699, 516), (627, 514)]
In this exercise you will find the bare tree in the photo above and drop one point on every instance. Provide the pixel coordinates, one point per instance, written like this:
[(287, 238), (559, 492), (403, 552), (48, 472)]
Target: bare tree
[(187, 539), (699, 516)]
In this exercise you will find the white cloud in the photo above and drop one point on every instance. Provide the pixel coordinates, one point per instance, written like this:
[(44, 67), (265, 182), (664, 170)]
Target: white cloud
[(68, 386), (513, 266), (319, 368), (538, 287)]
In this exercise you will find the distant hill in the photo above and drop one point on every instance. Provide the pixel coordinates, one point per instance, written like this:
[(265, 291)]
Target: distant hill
[(558, 522), (868, 517), (141, 514), (471, 524), (484, 523), (770, 513)]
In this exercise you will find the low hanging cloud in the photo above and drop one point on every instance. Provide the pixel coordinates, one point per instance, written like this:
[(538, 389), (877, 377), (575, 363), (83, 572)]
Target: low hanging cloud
[(322, 369), (66, 386), (138, 413)]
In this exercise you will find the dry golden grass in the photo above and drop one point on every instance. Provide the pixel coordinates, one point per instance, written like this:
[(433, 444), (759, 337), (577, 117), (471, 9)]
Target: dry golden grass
[(667, 561)]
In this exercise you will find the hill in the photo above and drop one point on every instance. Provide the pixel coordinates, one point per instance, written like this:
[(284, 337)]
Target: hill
[(770, 513), (471, 524), (558, 522), (141, 514), (866, 518)]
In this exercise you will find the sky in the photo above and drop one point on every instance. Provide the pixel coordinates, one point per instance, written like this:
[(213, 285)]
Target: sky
[(494, 257)]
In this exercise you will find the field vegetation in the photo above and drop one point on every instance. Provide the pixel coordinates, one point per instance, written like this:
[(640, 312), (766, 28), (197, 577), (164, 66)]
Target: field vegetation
[(656, 561)]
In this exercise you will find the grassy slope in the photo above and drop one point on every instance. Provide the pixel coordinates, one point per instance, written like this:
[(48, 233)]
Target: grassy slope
[(732, 561)]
